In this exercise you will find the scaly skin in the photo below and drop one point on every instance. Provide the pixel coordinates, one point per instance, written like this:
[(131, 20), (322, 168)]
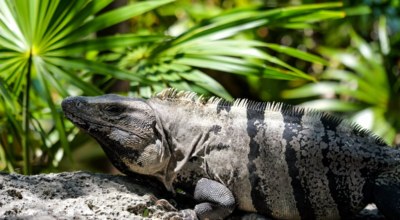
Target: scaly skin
[(280, 161)]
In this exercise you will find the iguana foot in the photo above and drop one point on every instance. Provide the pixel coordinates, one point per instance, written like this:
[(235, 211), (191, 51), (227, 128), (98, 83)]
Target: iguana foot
[(217, 200)]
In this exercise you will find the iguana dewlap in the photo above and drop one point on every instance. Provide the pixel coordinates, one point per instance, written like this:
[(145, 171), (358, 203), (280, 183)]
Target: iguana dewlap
[(277, 160)]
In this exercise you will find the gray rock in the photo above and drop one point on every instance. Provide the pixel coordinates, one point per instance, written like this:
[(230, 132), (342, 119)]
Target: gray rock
[(80, 195)]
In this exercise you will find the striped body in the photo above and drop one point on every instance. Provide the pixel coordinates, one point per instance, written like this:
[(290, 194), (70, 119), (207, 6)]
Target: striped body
[(281, 161), (277, 160)]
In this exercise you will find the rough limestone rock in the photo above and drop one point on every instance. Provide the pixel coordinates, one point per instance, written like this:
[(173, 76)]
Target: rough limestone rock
[(80, 195)]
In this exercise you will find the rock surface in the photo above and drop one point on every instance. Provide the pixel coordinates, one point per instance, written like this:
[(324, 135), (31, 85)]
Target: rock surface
[(79, 195), (83, 195)]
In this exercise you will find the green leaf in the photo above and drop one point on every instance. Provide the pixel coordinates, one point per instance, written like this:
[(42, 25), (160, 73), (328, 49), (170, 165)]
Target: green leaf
[(218, 31), (99, 68), (106, 43), (316, 89), (115, 16), (297, 53), (383, 35), (59, 125), (329, 89), (354, 80), (203, 80), (332, 105), (297, 72), (357, 10), (70, 15), (318, 16), (234, 48), (298, 26), (87, 88), (310, 7), (7, 96), (225, 64)]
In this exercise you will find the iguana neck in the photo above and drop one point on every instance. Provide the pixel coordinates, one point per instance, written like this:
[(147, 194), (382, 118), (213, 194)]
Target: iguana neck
[(186, 131)]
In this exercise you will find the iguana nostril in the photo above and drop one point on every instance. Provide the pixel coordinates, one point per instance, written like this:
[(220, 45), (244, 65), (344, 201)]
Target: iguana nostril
[(72, 102), (78, 104)]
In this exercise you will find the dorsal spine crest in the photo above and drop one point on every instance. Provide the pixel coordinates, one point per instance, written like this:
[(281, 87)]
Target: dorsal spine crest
[(174, 95)]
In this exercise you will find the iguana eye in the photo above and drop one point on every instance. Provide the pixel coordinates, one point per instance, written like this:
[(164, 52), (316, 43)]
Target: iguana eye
[(114, 110)]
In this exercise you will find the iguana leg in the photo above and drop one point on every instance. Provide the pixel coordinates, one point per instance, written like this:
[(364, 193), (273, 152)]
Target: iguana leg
[(217, 201), (387, 194)]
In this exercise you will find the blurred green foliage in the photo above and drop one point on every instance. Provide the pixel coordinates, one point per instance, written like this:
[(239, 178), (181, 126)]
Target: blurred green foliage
[(362, 80), (341, 59)]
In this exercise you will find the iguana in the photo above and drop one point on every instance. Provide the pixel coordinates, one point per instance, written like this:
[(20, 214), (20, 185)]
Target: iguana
[(274, 159)]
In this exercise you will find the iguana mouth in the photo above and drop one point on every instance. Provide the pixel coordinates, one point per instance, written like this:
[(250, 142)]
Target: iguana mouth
[(78, 121), (84, 124)]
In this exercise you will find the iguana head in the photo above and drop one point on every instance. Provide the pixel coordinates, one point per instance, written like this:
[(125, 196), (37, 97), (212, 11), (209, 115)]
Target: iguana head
[(126, 128)]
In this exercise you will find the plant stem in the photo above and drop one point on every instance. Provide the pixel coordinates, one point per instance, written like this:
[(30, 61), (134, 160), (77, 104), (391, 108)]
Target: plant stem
[(26, 119)]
